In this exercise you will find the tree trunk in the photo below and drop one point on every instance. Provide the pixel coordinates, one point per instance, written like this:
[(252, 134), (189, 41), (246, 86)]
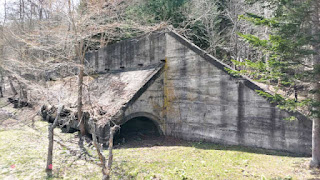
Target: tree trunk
[(80, 88), (1, 84), (80, 55), (99, 151), (14, 91), (50, 137), (113, 130), (315, 162), (22, 95), (105, 169)]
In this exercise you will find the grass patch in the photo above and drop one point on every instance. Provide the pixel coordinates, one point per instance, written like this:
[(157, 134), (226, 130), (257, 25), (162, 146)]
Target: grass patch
[(26, 149)]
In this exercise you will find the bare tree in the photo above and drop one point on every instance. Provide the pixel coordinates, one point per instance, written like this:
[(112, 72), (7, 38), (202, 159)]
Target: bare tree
[(106, 165), (50, 137), (58, 33)]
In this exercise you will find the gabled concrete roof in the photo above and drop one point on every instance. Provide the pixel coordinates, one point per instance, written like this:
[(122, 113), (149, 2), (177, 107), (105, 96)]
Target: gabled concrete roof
[(110, 92)]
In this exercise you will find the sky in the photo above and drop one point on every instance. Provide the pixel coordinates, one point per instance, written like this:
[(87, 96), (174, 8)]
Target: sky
[(2, 2), (8, 2), (1, 9)]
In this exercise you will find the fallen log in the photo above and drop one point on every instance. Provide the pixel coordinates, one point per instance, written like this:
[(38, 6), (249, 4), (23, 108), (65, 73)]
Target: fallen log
[(17, 103), (49, 114), (69, 123)]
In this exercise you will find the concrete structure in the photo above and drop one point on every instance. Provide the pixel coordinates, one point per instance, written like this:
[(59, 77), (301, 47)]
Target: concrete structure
[(190, 95)]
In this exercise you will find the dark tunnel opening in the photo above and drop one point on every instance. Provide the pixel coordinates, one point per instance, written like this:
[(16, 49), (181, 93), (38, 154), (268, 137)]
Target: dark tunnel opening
[(137, 129)]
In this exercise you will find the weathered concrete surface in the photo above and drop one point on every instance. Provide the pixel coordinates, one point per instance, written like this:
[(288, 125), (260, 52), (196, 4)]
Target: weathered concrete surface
[(193, 97), (149, 104), (110, 93), (128, 54)]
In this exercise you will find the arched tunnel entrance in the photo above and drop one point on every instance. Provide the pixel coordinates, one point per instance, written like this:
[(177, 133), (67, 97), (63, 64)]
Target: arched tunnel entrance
[(137, 129)]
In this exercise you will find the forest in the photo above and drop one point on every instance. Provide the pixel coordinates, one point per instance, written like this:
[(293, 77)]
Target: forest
[(43, 50)]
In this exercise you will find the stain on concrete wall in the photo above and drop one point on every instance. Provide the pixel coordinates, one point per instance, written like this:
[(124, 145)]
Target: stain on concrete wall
[(211, 105), (151, 102)]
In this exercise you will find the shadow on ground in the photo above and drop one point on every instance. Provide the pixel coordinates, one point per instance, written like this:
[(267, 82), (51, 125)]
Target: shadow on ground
[(147, 140)]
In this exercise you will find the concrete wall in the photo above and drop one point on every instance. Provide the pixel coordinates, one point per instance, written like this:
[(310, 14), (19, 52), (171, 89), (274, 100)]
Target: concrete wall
[(204, 102), (132, 53), (150, 104), (195, 99)]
